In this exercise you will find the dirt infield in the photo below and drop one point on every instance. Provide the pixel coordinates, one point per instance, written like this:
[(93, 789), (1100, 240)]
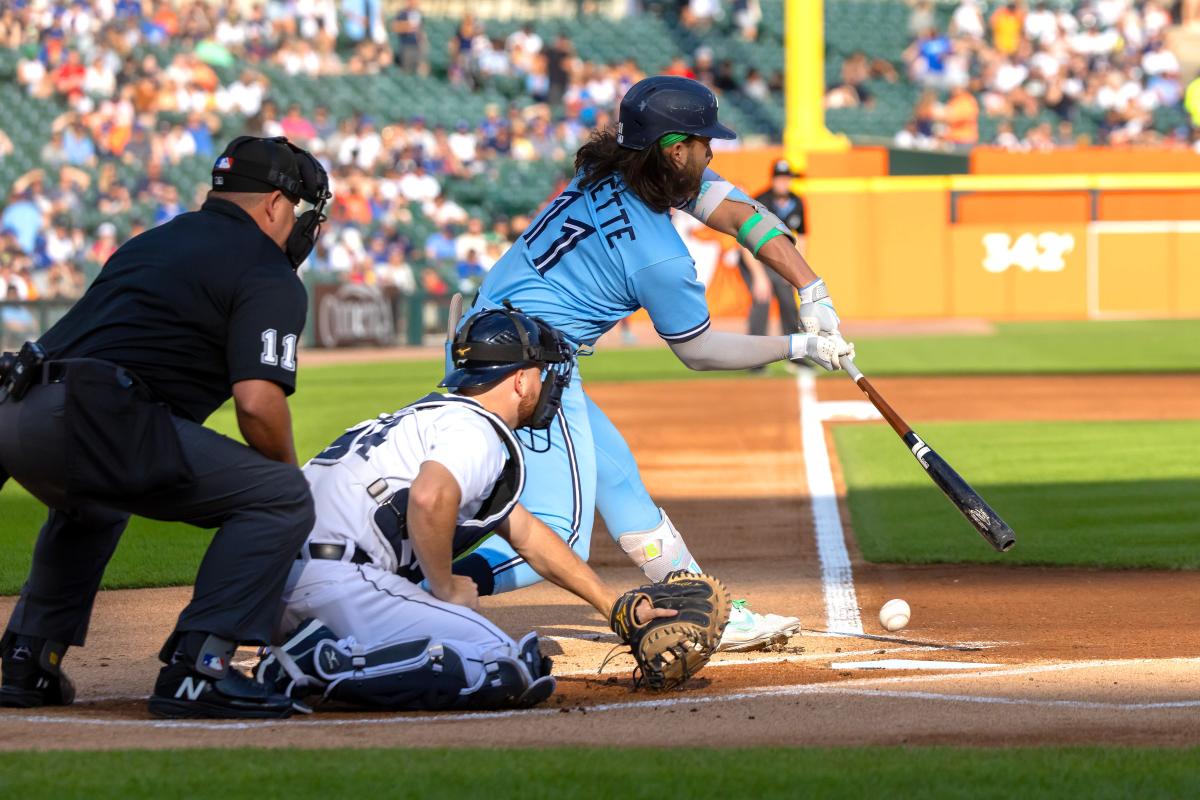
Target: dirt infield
[(1010, 655)]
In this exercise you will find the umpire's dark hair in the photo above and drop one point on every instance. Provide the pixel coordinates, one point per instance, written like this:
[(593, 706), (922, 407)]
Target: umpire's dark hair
[(649, 173)]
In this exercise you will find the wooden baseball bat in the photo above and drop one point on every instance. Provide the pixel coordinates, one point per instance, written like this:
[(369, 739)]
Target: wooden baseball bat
[(977, 512)]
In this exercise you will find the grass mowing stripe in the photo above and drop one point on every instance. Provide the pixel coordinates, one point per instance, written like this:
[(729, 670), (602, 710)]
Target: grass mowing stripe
[(1042, 347), (1110, 346), (938, 773), (332, 397), (329, 399), (1113, 494)]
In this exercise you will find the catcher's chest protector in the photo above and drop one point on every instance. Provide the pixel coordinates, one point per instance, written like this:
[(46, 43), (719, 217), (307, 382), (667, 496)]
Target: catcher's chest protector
[(392, 515)]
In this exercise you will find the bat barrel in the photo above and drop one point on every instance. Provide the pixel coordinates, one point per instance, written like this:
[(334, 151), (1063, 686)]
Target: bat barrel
[(973, 507)]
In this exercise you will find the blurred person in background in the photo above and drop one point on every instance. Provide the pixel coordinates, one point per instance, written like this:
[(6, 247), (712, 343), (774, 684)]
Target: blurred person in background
[(961, 115), (396, 271), (412, 43), (471, 240), (470, 272), (16, 320), (763, 283), (439, 246)]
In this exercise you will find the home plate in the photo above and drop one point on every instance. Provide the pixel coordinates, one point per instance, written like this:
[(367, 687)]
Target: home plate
[(910, 663)]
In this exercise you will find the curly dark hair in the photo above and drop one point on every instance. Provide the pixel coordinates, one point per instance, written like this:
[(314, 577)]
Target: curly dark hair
[(647, 172)]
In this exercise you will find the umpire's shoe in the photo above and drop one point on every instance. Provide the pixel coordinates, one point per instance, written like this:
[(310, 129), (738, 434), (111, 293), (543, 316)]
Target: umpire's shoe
[(200, 683), (32, 673)]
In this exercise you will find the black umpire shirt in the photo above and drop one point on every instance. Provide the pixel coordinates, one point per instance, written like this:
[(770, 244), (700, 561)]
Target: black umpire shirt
[(192, 307), (790, 209)]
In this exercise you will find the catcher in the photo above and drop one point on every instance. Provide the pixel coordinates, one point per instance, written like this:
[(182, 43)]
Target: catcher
[(380, 621)]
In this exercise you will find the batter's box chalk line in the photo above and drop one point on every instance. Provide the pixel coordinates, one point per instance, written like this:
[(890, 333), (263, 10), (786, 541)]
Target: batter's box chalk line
[(837, 577), (861, 687)]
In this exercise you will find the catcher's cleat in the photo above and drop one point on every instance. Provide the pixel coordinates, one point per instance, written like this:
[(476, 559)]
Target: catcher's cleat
[(181, 692), (32, 673), (538, 692), (531, 653), (748, 630), (289, 668)]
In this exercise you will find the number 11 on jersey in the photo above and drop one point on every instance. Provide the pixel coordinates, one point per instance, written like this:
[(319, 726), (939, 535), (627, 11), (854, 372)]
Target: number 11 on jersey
[(571, 233), (270, 352)]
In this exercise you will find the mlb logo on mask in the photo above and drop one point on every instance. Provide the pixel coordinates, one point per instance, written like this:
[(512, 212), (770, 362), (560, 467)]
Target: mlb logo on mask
[(224, 162)]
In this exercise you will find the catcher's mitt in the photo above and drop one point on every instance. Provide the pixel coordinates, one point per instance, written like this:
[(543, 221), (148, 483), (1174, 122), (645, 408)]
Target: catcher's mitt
[(671, 650)]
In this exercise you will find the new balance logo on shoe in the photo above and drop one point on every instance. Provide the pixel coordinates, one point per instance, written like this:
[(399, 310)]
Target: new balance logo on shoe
[(192, 687)]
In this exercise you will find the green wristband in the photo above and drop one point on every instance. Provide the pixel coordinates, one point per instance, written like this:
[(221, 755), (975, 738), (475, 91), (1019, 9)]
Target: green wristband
[(756, 231), (771, 234), (748, 226)]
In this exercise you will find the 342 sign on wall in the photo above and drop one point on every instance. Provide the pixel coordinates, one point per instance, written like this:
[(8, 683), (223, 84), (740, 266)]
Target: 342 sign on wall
[(1030, 252)]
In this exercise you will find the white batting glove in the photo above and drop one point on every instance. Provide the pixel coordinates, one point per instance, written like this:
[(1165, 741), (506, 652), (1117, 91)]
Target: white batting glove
[(817, 314), (824, 351)]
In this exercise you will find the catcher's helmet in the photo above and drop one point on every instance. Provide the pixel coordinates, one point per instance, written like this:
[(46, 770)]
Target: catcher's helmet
[(496, 342), (666, 104)]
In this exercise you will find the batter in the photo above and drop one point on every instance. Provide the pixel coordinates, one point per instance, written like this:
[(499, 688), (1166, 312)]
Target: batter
[(602, 249)]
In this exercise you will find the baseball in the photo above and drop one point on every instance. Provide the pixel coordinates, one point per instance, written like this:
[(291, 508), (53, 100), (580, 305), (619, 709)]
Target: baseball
[(894, 614)]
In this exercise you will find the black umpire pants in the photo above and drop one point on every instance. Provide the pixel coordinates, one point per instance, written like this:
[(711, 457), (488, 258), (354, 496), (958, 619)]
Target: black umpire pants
[(263, 510), (785, 294)]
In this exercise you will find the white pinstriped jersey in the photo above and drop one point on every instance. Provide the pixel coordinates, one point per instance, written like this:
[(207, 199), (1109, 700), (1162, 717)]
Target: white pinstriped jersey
[(353, 507)]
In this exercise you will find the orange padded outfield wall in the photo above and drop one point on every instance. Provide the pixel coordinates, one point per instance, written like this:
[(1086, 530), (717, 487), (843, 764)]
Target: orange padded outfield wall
[(1027, 247), (999, 246)]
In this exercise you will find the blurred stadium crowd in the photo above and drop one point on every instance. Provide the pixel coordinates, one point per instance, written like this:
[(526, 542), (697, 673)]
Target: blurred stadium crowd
[(439, 134), (442, 133), (1023, 75)]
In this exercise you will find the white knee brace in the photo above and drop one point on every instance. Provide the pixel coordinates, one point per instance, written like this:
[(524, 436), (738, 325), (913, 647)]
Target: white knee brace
[(659, 551)]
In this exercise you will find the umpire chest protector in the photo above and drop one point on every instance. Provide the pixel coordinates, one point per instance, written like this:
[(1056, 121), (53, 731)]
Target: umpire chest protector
[(353, 450)]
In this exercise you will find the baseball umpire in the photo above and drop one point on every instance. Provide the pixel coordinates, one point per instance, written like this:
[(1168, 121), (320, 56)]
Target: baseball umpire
[(101, 418), (763, 282)]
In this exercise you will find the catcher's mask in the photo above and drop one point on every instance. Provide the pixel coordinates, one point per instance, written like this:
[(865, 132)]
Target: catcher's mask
[(254, 164), (492, 344)]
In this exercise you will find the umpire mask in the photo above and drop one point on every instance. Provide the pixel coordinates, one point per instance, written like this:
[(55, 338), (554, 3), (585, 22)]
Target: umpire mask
[(254, 164)]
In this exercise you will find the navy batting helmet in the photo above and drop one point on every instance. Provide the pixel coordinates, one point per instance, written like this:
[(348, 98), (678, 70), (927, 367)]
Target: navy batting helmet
[(666, 104)]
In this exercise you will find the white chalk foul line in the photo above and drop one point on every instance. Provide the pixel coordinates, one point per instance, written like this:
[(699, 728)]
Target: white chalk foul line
[(858, 687), (837, 578), (1020, 701)]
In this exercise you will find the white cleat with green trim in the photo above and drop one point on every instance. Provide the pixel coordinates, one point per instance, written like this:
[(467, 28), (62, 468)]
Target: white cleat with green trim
[(748, 630)]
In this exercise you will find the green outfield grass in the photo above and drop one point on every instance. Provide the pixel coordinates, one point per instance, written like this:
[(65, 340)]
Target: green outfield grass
[(937, 773), (1111, 494), (332, 397), (1041, 347), (1014, 348)]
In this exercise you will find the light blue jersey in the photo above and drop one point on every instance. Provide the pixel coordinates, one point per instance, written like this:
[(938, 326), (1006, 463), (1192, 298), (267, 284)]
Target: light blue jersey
[(593, 257), (590, 259)]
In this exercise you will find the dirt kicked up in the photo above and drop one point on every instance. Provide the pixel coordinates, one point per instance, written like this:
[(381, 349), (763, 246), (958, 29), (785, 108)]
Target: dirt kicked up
[(994, 656)]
